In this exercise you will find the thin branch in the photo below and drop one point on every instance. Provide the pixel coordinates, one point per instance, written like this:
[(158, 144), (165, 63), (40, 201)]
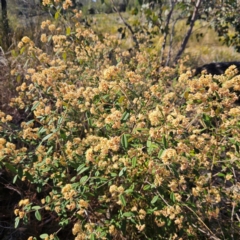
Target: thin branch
[(171, 42), (200, 220), (127, 25), (166, 29), (188, 34)]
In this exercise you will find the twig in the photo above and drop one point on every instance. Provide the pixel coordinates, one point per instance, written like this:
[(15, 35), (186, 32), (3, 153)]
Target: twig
[(171, 42), (166, 28), (9, 186), (213, 236), (188, 34), (127, 25)]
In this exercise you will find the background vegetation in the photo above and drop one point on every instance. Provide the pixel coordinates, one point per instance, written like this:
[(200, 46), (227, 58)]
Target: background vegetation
[(105, 134)]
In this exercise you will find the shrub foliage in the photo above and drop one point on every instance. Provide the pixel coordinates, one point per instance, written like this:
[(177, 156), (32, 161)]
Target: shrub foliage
[(114, 148)]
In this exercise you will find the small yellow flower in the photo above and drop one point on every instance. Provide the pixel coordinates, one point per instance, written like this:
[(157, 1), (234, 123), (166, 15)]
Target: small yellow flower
[(23, 202), (16, 212), (46, 2), (43, 38), (26, 39), (20, 45), (120, 189), (2, 141), (51, 27), (228, 176), (112, 230), (142, 214), (113, 189), (83, 203), (140, 227), (57, 209), (77, 228), (159, 223), (21, 214)]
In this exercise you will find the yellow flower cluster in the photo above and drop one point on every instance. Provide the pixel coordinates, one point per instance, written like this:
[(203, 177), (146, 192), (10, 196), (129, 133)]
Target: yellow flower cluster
[(155, 117), (114, 118), (110, 73), (23, 202), (68, 192)]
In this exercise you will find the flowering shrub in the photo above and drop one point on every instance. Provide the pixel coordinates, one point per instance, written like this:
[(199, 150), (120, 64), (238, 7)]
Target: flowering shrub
[(121, 151)]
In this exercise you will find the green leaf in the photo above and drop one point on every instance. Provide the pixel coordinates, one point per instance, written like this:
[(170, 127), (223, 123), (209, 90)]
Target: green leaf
[(18, 78), (44, 235), (169, 222), (17, 220), (125, 116), (151, 146), (217, 95), (35, 106), (221, 175), (83, 170), (60, 120), (68, 31), (42, 130), (155, 198), (20, 172), (49, 150), (121, 99), (146, 187), (48, 90), (36, 207), (81, 167), (149, 143), (73, 179), (56, 16), (47, 137), (122, 199), (92, 237), (49, 38), (15, 178), (122, 172), (64, 56), (63, 134), (11, 168), (124, 141), (29, 122), (160, 153), (134, 162), (164, 140), (83, 179), (39, 189), (207, 120), (48, 199), (128, 191), (128, 214), (22, 50), (14, 53), (38, 215), (172, 197), (64, 222)]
